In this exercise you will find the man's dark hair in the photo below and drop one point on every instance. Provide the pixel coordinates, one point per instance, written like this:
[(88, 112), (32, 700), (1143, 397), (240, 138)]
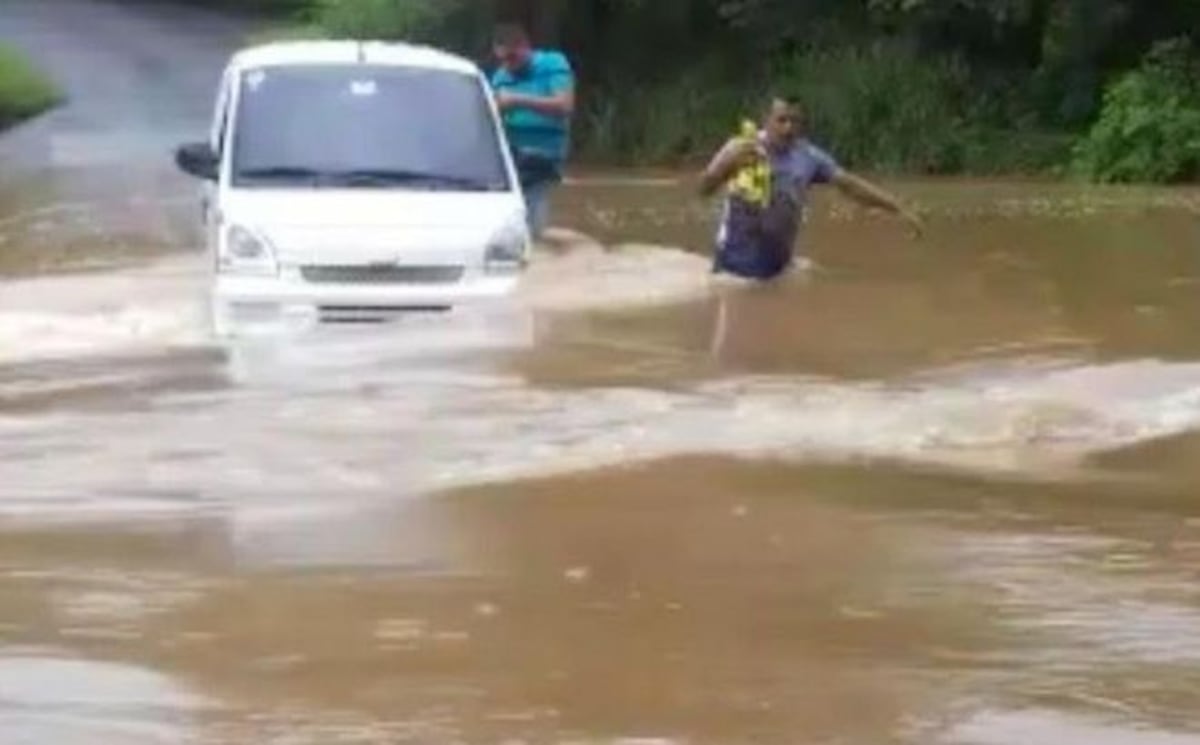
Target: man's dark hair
[(510, 34), (784, 97)]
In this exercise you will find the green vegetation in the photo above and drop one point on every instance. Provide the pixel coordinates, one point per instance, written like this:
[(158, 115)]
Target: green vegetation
[(24, 92), (930, 86), (1149, 128)]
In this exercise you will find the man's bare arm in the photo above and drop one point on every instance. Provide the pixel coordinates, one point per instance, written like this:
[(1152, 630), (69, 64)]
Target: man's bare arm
[(732, 156), (863, 191), (560, 104)]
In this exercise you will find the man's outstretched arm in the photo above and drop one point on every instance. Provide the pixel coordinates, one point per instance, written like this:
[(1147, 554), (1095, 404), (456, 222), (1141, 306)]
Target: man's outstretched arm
[(864, 192)]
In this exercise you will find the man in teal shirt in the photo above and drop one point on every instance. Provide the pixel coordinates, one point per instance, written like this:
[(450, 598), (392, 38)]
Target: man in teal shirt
[(535, 92)]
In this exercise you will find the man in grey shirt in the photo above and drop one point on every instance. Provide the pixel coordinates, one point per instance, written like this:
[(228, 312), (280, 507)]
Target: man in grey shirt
[(757, 241)]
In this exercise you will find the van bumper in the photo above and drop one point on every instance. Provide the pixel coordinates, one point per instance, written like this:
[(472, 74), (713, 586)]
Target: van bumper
[(247, 304)]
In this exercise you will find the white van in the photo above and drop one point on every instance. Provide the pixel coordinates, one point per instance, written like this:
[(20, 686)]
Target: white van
[(348, 181)]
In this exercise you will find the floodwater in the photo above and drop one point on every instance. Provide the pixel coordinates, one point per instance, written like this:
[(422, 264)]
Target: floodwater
[(934, 491)]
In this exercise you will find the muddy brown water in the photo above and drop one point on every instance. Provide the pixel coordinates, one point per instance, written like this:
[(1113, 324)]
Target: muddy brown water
[(930, 491), (935, 491)]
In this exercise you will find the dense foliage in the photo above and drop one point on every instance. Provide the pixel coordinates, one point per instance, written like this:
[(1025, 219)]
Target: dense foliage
[(918, 85), (1149, 127)]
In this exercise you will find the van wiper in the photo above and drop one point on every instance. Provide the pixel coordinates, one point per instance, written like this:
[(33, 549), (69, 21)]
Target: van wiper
[(283, 173), (398, 177)]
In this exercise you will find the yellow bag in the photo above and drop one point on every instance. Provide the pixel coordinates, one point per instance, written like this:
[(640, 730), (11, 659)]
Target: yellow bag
[(752, 183)]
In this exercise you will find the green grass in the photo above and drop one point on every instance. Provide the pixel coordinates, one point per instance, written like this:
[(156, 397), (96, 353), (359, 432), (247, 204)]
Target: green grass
[(24, 91)]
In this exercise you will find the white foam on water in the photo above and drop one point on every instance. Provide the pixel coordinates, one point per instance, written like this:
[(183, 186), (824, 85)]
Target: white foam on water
[(367, 414), (158, 306), (1042, 419), (588, 276), (164, 304), (1046, 727), (74, 701), (412, 432), (38, 336)]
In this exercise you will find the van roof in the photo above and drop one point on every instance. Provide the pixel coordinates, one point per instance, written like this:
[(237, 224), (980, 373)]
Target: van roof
[(285, 53)]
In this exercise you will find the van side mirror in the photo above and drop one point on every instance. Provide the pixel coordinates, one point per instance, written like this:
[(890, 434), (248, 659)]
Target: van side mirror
[(197, 159)]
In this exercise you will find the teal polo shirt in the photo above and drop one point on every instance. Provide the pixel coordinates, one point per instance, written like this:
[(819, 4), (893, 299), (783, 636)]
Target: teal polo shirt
[(530, 132)]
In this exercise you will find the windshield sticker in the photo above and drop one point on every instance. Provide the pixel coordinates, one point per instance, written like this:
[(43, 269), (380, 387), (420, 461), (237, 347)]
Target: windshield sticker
[(363, 87)]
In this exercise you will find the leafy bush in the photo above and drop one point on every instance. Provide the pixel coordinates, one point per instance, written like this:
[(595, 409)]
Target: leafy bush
[(1149, 126), (24, 92)]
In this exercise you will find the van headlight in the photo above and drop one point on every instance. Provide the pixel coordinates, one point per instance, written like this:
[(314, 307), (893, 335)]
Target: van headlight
[(508, 250), (244, 252)]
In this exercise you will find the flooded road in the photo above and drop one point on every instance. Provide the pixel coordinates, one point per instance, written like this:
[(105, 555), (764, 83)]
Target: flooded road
[(927, 492)]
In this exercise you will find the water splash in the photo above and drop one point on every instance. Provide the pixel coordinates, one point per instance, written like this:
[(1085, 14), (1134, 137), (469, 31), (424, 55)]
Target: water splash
[(419, 430), (159, 306), (380, 415)]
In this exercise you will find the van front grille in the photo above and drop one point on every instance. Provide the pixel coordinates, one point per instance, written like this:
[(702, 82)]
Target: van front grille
[(372, 313), (381, 274)]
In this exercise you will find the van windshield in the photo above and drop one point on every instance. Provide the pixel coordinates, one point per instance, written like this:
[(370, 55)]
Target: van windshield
[(366, 126)]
